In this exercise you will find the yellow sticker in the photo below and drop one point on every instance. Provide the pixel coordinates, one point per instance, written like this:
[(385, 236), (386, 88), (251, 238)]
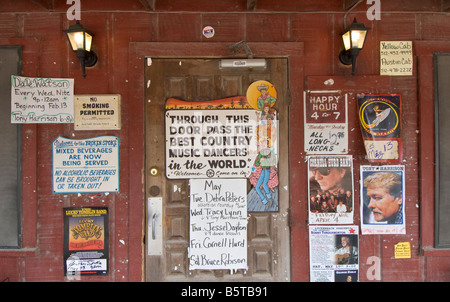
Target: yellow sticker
[(402, 250), (261, 93)]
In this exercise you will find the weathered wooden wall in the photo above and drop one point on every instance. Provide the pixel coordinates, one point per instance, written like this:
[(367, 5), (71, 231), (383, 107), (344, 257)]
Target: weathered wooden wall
[(39, 25)]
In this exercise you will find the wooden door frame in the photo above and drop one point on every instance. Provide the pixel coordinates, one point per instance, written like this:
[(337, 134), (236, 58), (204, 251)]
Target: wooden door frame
[(426, 97), (138, 51)]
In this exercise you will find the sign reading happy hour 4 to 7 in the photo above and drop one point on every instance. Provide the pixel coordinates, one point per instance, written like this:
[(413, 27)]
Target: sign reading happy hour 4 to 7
[(326, 125), (86, 165)]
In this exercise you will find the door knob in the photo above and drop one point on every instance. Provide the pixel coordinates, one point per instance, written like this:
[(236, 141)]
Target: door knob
[(154, 171)]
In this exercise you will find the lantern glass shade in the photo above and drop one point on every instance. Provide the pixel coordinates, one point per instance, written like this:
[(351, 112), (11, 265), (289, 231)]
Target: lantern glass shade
[(79, 37), (354, 39), (355, 36), (80, 40)]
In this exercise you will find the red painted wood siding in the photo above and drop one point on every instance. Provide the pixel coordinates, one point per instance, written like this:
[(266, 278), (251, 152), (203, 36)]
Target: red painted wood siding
[(116, 23)]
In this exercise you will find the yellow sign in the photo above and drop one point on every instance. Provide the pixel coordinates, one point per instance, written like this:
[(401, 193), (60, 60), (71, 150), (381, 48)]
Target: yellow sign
[(402, 250)]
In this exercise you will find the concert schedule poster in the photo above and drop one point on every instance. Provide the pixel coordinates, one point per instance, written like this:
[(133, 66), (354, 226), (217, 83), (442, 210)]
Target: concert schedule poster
[(86, 241), (334, 253)]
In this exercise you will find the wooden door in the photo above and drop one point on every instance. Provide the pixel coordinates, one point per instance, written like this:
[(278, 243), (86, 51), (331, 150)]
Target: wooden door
[(196, 80)]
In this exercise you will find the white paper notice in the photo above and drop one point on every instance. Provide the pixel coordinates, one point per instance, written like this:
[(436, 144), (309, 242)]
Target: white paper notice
[(210, 143), (41, 100), (396, 58), (333, 253), (218, 224)]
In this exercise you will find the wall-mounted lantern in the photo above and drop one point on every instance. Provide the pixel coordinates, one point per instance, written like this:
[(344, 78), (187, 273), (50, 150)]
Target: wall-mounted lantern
[(353, 38), (81, 41)]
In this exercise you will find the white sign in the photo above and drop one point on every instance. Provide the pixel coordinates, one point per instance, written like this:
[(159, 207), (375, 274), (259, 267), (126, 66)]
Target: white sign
[(218, 224), (97, 112), (41, 100), (86, 165), (396, 58), (382, 149), (210, 143), (326, 123), (80, 265)]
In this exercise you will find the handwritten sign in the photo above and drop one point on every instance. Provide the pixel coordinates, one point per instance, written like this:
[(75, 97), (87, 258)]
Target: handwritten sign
[(210, 143), (326, 128), (41, 100), (396, 58), (381, 149), (86, 165), (218, 224)]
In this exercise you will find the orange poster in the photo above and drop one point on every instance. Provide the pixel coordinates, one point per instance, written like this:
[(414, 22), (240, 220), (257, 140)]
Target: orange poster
[(85, 241)]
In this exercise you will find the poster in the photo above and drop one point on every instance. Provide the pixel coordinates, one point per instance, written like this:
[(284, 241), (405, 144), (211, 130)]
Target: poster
[(263, 196), (326, 122), (86, 241), (86, 165), (218, 224), (334, 253), (330, 189), (380, 120), (210, 143), (41, 100), (382, 199)]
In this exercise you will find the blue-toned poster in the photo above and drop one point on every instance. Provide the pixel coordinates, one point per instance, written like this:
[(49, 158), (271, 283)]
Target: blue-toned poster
[(86, 165), (383, 200), (380, 119)]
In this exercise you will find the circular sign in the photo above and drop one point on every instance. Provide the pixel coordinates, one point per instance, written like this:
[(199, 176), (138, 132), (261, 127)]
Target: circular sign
[(379, 117), (208, 32), (261, 93)]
